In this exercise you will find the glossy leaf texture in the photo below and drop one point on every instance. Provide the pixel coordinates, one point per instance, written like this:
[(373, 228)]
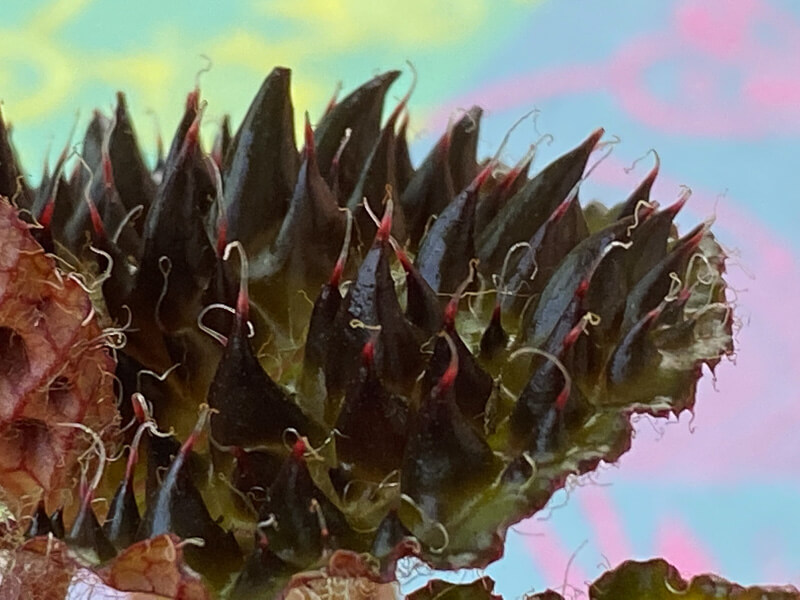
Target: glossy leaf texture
[(370, 386), (656, 579), (480, 589)]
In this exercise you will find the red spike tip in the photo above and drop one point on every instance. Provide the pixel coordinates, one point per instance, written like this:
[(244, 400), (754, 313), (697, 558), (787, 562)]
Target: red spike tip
[(140, 410), (651, 176), (448, 378), (496, 313), (582, 288), (299, 448), (368, 352), (651, 317), (675, 208), (192, 134), (243, 303), (108, 170), (336, 275), (509, 178), (97, 221), (385, 228), (481, 177), (405, 262), (560, 210), (334, 170), (341, 260), (573, 335), (133, 456), (563, 396), (187, 446), (693, 242), (243, 299), (450, 312), (595, 137), (193, 99), (47, 213)]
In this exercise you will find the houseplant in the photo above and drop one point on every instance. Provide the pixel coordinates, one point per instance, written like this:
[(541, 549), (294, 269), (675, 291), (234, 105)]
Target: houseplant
[(420, 405)]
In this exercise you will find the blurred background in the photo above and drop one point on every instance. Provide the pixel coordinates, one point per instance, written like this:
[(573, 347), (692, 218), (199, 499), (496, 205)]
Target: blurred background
[(713, 85)]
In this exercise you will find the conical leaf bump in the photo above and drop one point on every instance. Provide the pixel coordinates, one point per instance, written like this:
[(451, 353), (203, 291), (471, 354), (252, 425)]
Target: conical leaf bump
[(54, 369), (369, 386)]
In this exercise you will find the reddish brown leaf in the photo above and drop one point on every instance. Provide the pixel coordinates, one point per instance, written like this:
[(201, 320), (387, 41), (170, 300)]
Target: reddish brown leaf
[(43, 568), (54, 368), (154, 566), (346, 576)]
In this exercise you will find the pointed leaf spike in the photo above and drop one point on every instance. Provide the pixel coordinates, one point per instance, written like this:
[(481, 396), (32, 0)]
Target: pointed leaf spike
[(123, 518), (177, 506), (333, 172), (522, 165), (676, 207), (359, 112), (485, 173), (448, 378), (447, 461), (449, 245), (525, 212), (693, 240), (651, 176), (559, 212), (86, 531), (402, 257), (642, 191)]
